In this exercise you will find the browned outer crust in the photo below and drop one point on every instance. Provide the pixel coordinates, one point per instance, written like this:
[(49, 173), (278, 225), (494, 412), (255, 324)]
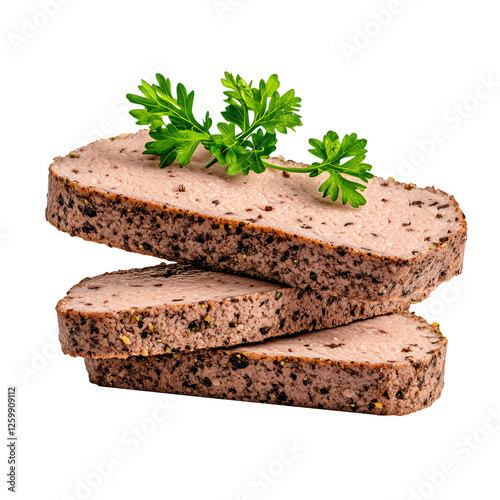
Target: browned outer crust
[(222, 244), (381, 388), (179, 327)]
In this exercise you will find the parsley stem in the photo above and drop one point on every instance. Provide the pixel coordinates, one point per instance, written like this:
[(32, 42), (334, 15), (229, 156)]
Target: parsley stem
[(211, 162), (275, 167), (290, 169)]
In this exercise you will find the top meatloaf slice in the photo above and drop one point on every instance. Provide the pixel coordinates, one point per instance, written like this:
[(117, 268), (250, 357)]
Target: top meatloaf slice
[(403, 243)]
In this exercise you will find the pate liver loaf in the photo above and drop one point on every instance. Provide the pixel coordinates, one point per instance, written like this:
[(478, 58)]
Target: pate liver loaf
[(387, 365), (175, 307), (402, 243)]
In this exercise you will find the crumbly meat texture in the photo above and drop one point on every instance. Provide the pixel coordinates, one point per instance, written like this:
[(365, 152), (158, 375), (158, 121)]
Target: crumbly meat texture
[(387, 365), (403, 243), (170, 308)]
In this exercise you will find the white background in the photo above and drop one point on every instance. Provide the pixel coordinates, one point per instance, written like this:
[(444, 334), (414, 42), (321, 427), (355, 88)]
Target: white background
[(419, 69)]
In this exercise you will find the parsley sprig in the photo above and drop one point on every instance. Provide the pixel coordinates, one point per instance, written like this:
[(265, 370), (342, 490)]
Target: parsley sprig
[(254, 115)]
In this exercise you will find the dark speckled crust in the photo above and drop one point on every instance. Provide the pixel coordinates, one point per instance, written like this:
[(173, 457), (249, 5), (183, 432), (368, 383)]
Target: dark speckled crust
[(222, 244), (248, 318), (377, 388)]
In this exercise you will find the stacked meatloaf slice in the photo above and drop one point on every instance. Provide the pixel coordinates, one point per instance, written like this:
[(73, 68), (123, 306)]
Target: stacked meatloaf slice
[(273, 258), (172, 308), (387, 365)]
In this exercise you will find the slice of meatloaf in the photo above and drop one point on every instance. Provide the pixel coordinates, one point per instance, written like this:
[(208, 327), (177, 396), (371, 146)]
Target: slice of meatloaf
[(387, 365), (403, 242), (177, 307)]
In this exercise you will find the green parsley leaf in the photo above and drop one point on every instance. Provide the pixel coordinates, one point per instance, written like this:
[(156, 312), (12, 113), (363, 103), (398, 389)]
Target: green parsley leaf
[(172, 144), (254, 115), (332, 152), (159, 102), (279, 114)]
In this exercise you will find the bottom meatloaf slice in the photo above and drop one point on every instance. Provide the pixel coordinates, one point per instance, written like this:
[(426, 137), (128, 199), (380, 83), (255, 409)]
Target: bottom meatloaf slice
[(387, 365), (170, 308)]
